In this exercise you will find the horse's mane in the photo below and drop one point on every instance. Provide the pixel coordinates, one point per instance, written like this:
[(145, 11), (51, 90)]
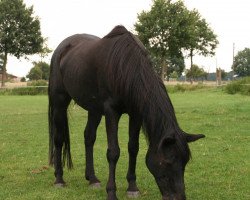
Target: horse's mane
[(133, 79)]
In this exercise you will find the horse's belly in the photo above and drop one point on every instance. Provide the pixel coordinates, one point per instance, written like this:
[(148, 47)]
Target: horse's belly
[(89, 102)]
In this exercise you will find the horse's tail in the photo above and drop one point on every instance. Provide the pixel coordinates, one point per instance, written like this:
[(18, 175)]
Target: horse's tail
[(51, 132), (50, 119), (52, 128)]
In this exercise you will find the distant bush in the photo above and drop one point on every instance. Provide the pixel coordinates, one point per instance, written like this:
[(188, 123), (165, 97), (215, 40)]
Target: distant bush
[(38, 83), (23, 79), (241, 86), (184, 87), (25, 91)]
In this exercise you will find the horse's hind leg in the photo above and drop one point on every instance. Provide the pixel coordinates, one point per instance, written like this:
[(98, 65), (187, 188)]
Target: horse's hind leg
[(60, 102), (89, 138), (133, 147)]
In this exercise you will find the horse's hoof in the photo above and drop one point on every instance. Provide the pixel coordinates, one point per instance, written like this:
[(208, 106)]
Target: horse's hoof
[(95, 185), (59, 185), (133, 194), (112, 196)]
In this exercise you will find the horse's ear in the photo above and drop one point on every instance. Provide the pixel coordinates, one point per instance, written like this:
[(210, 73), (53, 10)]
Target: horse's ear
[(193, 137), (166, 140)]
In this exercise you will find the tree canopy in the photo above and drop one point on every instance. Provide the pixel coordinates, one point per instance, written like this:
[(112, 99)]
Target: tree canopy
[(201, 38), (20, 33), (169, 28), (241, 64), (195, 72), (162, 30), (39, 71)]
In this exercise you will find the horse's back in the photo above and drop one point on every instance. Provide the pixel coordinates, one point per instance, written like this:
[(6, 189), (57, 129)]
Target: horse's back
[(63, 53), (72, 71), (76, 39), (72, 42)]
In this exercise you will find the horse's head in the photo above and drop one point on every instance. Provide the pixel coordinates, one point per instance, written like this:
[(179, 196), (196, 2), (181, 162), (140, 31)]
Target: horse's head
[(167, 164)]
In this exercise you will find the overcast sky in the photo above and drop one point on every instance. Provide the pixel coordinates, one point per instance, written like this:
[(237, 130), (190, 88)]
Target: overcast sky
[(61, 18)]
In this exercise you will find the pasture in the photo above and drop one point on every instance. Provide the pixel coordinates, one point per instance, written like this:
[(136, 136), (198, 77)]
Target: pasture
[(219, 169)]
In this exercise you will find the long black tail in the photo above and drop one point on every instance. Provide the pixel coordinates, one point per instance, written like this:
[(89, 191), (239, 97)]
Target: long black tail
[(52, 129), (51, 132)]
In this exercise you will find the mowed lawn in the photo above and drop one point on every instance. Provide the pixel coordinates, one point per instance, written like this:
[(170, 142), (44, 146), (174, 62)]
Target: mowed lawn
[(219, 169)]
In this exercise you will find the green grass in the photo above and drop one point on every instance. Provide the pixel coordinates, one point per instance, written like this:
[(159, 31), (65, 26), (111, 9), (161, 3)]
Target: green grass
[(219, 169)]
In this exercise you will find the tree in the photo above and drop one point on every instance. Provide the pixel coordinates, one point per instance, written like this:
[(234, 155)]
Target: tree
[(201, 39), (20, 33), (169, 28), (174, 75), (35, 73), (163, 31), (223, 74), (241, 64), (175, 64), (195, 72), (39, 71)]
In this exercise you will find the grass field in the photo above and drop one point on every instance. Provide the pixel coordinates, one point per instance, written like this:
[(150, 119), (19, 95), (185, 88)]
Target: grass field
[(219, 169)]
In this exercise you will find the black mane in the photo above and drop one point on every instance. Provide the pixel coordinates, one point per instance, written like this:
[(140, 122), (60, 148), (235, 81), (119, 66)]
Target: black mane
[(117, 30), (133, 79)]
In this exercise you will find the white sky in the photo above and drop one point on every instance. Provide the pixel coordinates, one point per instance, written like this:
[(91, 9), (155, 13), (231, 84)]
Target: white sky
[(61, 18)]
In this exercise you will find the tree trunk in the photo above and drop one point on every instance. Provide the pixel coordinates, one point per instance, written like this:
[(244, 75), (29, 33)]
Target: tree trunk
[(191, 67), (164, 70), (218, 76), (4, 69)]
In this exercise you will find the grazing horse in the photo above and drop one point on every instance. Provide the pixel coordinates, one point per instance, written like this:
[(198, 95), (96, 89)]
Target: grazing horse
[(109, 77)]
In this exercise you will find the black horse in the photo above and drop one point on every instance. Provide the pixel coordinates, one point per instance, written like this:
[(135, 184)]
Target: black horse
[(112, 76)]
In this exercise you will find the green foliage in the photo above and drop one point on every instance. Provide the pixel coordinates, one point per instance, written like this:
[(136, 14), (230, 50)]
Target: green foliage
[(39, 71), (223, 74), (25, 91), (195, 72), (186, 88), (174, 75), (162, 30), (38, 83), (175, 64), (241, 65), (201, 39), (23, 79), (20, 33), (45, 69), (35, 73), (168, 28), (241, 86), (37, 87), (218, 170)]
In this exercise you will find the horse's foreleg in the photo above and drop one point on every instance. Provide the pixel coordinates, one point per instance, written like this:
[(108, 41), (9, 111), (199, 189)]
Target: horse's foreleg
[(133, 147), (113, 151), (89, 138)]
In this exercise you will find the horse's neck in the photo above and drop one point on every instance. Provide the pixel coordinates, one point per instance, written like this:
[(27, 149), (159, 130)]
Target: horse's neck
[(158, 115)]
